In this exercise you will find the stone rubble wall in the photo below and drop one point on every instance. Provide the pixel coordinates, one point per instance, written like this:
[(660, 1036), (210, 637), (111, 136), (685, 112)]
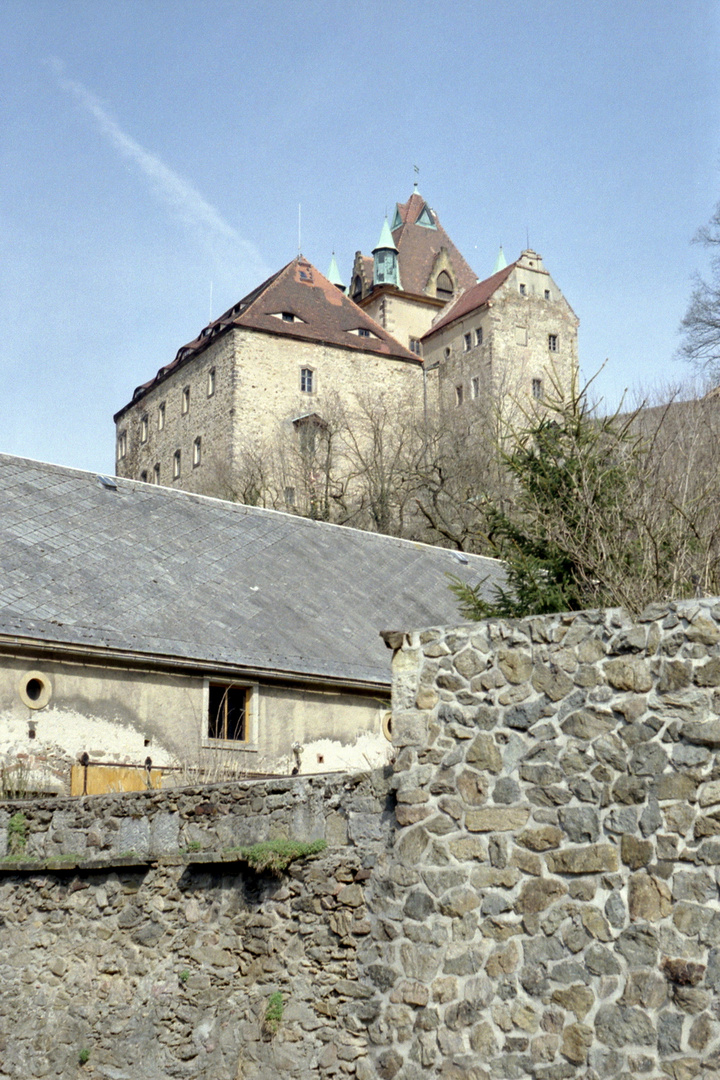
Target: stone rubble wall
[(550, 908), (165, 968)]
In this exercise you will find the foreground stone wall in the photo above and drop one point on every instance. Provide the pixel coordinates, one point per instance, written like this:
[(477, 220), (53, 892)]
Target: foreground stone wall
[(140, 941), (551, 905)]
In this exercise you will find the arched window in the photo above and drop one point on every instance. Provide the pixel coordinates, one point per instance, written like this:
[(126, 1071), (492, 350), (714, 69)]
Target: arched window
[(444, 285)]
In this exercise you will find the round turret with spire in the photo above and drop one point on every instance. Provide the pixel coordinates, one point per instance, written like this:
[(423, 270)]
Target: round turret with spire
[(385, 259)]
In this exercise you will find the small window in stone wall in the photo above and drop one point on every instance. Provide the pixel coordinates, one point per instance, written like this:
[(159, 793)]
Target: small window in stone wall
[(122, 445), (161, 416), (197, 451), (307, 381), (144, 476), (289, 496), (144, 429), (479, 336), (156, 473), (467, 342), (176, 464), (553, 343), (185, 405), (459, 395), (211, 382), (537, 389), (475, 387), (415, 346)]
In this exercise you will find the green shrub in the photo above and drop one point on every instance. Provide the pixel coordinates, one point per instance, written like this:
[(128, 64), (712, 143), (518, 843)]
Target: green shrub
[(273, 1013), (276, 855)]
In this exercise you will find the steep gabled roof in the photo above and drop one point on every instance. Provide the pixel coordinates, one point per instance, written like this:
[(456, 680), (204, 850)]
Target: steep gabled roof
[(471, 300), (321, 313), (419, 245), (114, 565)]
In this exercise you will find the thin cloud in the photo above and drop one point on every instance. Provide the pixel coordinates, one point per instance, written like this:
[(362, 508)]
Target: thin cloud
[(210, 228)]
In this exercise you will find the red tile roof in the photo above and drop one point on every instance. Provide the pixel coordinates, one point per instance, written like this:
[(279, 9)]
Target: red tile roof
[(322, 313), (471, 300), (419, 246)]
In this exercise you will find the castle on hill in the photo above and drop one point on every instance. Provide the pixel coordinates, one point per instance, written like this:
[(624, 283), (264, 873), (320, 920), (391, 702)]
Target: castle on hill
[(280, 374)]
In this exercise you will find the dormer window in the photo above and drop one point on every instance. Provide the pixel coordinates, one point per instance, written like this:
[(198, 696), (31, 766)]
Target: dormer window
[(362, 331), (286, 316), (444, 286)]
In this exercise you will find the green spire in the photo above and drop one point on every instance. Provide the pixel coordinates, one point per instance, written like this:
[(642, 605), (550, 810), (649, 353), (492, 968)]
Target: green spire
[(333, 274), (500, 262), (386, 241)]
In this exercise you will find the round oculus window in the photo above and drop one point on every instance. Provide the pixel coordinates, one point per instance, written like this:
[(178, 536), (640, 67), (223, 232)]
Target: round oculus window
[(35, 689)]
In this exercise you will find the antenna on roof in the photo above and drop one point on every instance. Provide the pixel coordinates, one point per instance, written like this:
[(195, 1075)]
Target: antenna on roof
[(299, 230), (211, 288), (527, 238), (417, 176)]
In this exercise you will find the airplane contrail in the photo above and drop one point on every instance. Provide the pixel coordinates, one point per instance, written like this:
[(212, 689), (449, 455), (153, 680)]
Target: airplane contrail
[(210, 227)]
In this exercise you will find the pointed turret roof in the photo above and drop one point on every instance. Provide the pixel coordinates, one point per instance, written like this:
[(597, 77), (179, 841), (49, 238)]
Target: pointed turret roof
[(297, 302), (500, 262), (386, 241), (333, 274)]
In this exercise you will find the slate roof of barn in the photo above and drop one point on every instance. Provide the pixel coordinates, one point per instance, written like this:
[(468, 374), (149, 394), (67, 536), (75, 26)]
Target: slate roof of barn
[(323, 314), (154, 572)]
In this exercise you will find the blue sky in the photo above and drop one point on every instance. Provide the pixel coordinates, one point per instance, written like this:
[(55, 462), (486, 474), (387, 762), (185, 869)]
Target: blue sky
[(153, 154)]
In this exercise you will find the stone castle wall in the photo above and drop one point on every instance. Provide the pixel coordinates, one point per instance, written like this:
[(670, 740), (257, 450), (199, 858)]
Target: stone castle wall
[(531, 891), (551, 907)]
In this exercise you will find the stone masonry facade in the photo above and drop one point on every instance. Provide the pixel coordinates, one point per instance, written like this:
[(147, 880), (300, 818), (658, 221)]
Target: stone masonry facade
[(551, 907), (531, 890)]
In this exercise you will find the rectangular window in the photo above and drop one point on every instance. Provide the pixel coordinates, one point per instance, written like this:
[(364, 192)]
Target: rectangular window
[(122, 445), (211, 382), (415, 346), (478, 336), (475, 387), (523, 290), (176, 465), (547, 294), (156, 474), (289, 496), (458, 395), (537, 389), (467, 342), (161, 416), (143, 476), (144, 429), (553, 342), (185, 406), (197, 451), (306, 380), (363, 332), (227, 712)]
